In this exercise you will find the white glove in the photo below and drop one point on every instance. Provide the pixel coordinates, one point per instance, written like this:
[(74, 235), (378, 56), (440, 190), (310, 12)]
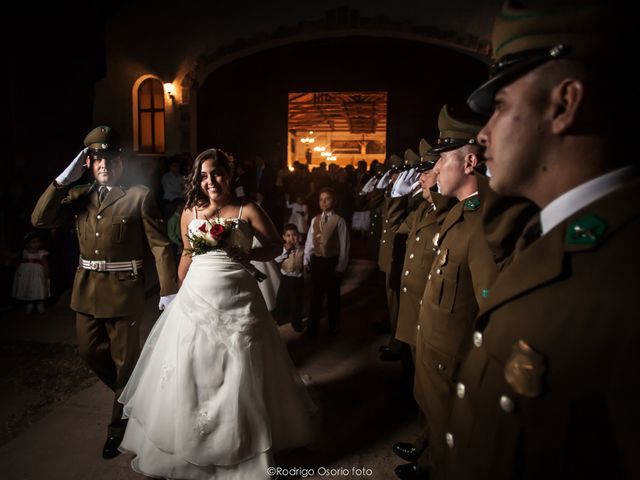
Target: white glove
[(402, 186), (384, 181), (399, 179), (415, 177), (74, 171), (165, 301), (369, 186)]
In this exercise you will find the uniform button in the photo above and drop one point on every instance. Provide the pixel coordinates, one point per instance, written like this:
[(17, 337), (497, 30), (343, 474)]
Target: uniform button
[(99, 217), (438, 271), (418, 327), (420, 301), (406, 273), (411, 256), (384, 241), (460, 390), (96, 252), (449, 439), (124, 220), (440, 367), (438, 251), (404, 289), (435, 249), (386, 221), (506, 404), (75, 216), (429, 277), (97, 234), (477, 339), (384, 231), (417, 239)]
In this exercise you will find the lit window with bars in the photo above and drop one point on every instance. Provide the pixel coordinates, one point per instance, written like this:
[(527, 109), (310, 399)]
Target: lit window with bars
[(151, 116)]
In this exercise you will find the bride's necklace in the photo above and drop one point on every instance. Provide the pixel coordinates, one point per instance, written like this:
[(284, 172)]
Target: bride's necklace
[(215, 214)]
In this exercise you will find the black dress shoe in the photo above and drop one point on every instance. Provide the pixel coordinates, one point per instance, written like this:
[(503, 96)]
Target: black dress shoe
[(410, 471), (406, 451), (110, 449)]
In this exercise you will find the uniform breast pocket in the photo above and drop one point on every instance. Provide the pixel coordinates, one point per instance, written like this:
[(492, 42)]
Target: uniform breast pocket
[(118, 229), (442, 285)]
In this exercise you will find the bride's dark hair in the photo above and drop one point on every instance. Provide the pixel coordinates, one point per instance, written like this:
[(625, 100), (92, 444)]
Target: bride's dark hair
[(195, 197)]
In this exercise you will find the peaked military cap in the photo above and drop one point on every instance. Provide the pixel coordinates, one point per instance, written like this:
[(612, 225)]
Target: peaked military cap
[(103, 139), (411, 158), (455, 132), (524, 38), (395, 162), (427, 160)]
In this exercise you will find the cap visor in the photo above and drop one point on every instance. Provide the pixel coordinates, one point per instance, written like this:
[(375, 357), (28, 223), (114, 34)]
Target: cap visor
[(445, 147)]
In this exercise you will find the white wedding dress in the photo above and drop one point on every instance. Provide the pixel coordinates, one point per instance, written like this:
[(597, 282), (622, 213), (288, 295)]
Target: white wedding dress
[(214, 392)]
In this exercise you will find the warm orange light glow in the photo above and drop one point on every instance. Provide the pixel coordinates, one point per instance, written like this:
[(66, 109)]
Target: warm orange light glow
[(170, 90)]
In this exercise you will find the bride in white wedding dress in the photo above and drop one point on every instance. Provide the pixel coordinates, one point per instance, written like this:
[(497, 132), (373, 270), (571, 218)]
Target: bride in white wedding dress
[(214, 393)]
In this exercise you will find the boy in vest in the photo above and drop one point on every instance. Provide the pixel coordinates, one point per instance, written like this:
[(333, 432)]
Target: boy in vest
[(291, 290), (325, 257)]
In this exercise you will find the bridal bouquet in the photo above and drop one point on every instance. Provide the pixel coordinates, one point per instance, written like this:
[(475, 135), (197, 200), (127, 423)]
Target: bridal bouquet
[(214, 236)]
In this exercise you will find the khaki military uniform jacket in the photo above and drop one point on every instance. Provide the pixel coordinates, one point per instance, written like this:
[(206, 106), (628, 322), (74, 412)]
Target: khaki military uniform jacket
[(550, 388), (114, 231), (420, 226), (394, 212), (375, 201), (390, 216)]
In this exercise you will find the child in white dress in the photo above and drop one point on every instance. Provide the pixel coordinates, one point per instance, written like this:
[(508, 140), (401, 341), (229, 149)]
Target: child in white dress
[(299, 214), (31, 281)]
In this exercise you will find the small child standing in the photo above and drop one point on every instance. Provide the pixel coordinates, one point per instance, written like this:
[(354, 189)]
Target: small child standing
[(291, 291), (326, 255), (299, 214), (31, 281)]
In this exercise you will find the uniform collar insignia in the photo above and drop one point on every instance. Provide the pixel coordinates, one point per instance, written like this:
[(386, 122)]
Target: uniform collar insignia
[(587, 230), (472, 203), (524, 370)]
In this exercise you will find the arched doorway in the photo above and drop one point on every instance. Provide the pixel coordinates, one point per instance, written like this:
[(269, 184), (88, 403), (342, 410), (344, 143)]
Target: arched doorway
[(242, 106)]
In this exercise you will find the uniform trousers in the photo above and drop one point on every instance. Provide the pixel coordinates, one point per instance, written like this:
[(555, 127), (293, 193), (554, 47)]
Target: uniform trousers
[(325, 282), (110, 346)]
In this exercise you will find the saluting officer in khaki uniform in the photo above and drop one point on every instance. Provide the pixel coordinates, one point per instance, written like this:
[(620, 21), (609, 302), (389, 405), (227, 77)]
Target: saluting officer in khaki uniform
[(112, 223), (460, 277), (550, 388), (420, 226), (405, 197)]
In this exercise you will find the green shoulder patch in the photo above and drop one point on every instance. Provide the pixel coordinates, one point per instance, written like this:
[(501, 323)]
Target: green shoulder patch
[(587, 230), (472, 203)]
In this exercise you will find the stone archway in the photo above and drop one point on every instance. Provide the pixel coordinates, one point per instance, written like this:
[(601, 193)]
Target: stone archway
[(338, 25)]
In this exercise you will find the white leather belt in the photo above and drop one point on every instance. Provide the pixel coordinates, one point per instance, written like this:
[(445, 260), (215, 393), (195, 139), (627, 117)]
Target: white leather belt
[(104, 266)]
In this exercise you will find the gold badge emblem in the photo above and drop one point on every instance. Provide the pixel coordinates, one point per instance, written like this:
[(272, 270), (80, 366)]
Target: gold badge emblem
[(443, 257), (524, 370)]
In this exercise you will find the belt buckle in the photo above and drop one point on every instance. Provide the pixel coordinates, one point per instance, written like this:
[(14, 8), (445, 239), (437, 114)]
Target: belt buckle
[(97, 265)]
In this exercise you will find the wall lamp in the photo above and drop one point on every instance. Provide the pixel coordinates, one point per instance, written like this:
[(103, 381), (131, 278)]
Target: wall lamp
[(170, 90)]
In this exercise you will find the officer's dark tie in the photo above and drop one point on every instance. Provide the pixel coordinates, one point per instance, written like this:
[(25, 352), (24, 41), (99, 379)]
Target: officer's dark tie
[(102, 192)]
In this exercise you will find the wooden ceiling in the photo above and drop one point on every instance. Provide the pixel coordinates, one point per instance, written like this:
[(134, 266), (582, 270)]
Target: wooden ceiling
[(353, 112)]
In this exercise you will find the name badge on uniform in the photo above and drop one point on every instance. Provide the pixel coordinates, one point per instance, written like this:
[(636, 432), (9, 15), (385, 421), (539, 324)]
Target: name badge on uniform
[(444, 256), (436, 239), (524, 370)]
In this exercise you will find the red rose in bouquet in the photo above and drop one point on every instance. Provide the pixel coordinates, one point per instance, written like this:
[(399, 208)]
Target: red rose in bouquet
[(217, 230)]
